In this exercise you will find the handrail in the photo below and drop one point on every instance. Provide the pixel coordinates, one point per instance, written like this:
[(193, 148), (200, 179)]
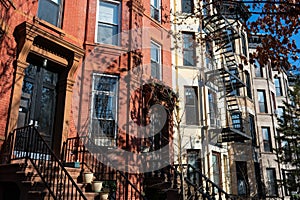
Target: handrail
[(213, 185), (76, 147), (29, 144)]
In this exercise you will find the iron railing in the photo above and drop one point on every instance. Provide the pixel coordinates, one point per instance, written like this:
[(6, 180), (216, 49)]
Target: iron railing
[(198, 184), (31, 146), (89, 155)]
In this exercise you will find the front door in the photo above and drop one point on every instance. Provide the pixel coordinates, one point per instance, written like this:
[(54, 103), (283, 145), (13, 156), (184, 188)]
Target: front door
[(37, 106)]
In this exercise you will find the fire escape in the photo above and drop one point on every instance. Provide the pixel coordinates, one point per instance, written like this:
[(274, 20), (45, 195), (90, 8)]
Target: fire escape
[(220, 24)]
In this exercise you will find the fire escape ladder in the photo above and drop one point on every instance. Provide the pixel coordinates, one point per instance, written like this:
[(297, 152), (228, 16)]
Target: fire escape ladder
[(224, 33)]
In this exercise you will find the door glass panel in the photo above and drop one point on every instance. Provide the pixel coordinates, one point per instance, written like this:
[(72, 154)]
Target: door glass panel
[(37, 105), (47, 109)]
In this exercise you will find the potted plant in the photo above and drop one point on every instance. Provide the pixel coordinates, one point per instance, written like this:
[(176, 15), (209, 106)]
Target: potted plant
[(88, 177), (108, 189), (97, 186)]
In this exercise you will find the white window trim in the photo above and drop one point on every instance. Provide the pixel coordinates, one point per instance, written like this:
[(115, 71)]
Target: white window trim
[(159, 10), (94, 75), (159, 59), (97, 20)]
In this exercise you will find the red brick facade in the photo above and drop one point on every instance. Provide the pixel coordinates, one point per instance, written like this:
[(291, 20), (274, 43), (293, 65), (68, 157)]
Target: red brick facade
[(78, 57)]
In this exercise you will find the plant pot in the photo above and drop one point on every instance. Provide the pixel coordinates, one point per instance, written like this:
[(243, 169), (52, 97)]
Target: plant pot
[(97, 186), (104, 195), (88, 177)]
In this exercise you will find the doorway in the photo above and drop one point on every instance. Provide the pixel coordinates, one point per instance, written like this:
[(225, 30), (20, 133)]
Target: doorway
[(38, 100)]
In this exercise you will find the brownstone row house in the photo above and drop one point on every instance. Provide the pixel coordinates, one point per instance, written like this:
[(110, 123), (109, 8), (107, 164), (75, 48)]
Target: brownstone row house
[(86, 89), (75, 76)]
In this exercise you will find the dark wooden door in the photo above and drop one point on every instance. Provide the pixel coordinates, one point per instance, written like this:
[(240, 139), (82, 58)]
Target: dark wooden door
[(38, 100)]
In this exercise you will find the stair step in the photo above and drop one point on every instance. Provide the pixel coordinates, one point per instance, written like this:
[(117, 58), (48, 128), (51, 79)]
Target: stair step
[(74, 172), (36, 195)]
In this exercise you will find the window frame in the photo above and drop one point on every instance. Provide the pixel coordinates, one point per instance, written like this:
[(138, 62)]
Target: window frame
[(242, 175), (248, 85), (217, 172), (59, 14), (236, 120), (97, 31), (280, 115), (188, 9), (195, 105), (212, 107), (262, 105), (95, 92), (278, 86), (157, 9), (258, 70), (273, 182), (235, 90), (158, 62), (252, 129), (191, 48), (244, 44), (267, 141)]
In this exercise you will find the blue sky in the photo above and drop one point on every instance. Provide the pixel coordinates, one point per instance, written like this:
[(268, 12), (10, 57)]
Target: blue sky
[(295, 37)]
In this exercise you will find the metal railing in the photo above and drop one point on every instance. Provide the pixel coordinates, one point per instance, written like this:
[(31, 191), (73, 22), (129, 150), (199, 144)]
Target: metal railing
[(83, 150), (30, 145), (198, 184)]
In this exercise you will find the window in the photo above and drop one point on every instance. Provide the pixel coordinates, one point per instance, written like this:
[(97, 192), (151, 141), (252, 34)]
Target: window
[(108, 23), (270, 71), (290, 182), (236, 120), (277, 84), (50, 11), (226, 173), (271, 182), (188, 49), (187, 6), (266, 139), (234, 82), (104, 109), (258, 179), (242, 177), (194, 160), (262, 101), (155, 60), (209, 55), (244, 45), (273, 103), (280, 113), (155, 10), (252, 129), (216, 166), (248, 84), (191, 105), (258, 69), (213, 108), (286, 150), (230, 47)]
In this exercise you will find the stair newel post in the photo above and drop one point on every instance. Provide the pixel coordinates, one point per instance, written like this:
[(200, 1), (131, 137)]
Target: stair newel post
[(11, 145), (175, 184), (169, 176), (206, 187), (213, 194), (220, 194), (83, 158), (189, 178)]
